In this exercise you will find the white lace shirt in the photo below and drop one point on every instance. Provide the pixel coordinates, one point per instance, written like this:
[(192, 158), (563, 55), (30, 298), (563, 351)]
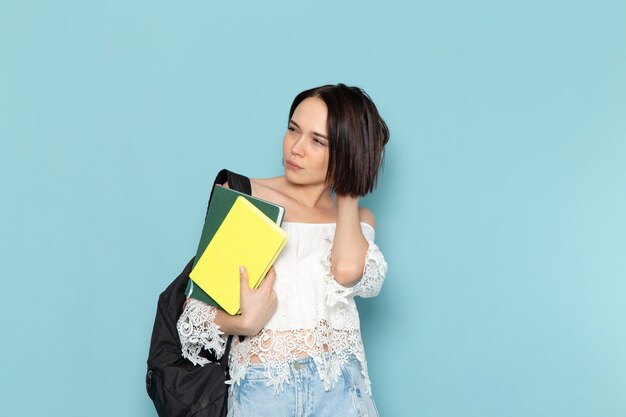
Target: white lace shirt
[(315, 314)]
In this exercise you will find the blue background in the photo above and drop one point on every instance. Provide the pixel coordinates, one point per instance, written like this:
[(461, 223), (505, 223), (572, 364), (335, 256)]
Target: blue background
[(501, 208)]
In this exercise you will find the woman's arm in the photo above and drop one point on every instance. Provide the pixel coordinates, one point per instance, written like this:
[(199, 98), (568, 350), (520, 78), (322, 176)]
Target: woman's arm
[(203, 326), (353, 268), (349, 245), (257, 307)]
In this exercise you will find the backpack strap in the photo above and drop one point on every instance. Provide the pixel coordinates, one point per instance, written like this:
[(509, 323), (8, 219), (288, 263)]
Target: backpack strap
[(236, 182), (224, 358)]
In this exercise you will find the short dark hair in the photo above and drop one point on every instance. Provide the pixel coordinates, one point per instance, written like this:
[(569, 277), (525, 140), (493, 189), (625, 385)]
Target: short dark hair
[(356, 137)]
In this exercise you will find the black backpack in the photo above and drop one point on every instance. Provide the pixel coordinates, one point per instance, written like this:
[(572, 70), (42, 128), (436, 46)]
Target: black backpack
[(176, 386)]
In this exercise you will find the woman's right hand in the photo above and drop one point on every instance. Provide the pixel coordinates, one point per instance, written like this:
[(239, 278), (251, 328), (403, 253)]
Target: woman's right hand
[(257, 305)]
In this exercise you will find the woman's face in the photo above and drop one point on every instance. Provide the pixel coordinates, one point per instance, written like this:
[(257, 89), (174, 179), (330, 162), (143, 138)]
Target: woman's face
[(305, 146)]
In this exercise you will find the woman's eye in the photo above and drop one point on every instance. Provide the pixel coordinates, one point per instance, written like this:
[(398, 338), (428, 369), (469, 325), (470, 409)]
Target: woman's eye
[(320, 142), (291, 129)]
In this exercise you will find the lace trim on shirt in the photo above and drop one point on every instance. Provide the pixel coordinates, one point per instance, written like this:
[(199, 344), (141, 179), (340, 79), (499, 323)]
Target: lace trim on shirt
[(330, 348), (374, 272), (333, 339), (197, 330)]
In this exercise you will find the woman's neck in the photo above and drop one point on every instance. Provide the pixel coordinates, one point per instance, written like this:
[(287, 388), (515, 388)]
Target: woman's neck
[(314, 196)]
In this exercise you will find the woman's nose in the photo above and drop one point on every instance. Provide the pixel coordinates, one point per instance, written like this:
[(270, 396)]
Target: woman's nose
[(297, 147)]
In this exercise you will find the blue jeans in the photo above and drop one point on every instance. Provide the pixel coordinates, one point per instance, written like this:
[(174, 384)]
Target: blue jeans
[(304, 395)]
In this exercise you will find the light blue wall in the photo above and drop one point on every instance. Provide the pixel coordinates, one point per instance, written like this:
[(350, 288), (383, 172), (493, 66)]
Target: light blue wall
[(501, 208)]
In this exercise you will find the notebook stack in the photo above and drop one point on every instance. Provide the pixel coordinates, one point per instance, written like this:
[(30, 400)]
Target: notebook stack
[(239, 230)]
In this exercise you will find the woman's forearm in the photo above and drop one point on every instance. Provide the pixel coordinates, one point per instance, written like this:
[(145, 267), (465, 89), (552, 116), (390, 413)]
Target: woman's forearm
[(349, 245), (230, 325)]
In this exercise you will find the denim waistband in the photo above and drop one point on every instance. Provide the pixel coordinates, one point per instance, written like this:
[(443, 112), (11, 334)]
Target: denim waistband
[(302, 362)]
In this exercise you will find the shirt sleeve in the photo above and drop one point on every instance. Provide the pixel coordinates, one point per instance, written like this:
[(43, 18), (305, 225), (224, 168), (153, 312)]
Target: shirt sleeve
[(197, 330), (374, 273)]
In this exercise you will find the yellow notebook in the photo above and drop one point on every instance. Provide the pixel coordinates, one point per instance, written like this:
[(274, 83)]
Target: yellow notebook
[(246, 237)]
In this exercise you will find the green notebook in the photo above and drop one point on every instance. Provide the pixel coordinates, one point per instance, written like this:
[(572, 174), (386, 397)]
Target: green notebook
[(221, 202)]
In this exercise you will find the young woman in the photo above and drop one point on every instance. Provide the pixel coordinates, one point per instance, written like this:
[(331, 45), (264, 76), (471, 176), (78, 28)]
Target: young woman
[(303, 354)]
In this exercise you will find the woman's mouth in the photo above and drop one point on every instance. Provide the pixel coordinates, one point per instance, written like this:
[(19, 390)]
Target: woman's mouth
[(293, 166)]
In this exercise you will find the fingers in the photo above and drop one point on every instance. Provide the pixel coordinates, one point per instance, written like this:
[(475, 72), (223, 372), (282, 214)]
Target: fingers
[(269, 279), (243, 276)]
